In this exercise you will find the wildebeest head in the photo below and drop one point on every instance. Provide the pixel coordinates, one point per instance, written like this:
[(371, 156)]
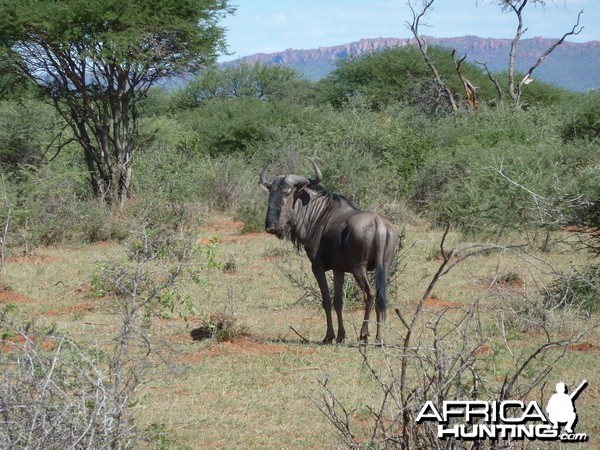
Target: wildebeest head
[(283, 190)]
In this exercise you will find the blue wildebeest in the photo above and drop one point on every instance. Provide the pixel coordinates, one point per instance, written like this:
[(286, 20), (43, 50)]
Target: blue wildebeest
[(336, 236)]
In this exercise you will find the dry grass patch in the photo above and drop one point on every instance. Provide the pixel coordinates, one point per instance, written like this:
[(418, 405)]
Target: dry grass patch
[(260, 389)]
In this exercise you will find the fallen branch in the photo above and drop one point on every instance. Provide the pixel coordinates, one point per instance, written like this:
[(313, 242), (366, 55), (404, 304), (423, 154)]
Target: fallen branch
[(299, 335)]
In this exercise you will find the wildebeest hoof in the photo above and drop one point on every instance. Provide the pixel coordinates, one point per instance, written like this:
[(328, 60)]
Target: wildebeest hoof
[(328, 339)]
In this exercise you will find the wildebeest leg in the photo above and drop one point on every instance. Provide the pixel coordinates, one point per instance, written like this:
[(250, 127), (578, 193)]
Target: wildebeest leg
[(338, 303), (322, 281), (363, 282)]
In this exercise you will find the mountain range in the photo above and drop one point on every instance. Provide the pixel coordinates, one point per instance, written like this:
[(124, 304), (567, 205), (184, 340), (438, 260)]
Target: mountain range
[(573, 66)]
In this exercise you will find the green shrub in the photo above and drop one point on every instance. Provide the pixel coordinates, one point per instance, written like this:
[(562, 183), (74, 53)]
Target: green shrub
[(580, 289), (23, 141), (401, 75), (500, 170), (52, 206), (253, 216), (257, 81), (348, 146), (238, 126), (585, 124)]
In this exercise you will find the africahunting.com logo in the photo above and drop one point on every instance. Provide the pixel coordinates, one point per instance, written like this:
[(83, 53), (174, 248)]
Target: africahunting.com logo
[(508, 419)]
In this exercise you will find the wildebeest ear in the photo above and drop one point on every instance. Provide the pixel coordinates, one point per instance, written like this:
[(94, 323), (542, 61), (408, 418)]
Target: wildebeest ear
[(263, 181), (299, 190)]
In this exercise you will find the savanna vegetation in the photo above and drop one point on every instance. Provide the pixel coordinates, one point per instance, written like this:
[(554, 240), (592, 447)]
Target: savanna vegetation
[(109, 264)]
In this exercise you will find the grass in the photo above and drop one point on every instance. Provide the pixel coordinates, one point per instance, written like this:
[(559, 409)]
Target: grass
[(259, 391)]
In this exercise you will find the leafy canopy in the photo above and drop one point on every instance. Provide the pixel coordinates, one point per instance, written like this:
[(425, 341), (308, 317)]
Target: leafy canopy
[(260, 81), (165, 36)]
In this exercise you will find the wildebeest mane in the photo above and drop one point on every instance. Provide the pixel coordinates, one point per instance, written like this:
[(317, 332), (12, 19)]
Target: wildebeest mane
[(311, 209)]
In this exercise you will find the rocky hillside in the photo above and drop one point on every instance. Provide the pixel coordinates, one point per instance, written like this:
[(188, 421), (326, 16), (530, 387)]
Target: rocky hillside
[(571, 66)]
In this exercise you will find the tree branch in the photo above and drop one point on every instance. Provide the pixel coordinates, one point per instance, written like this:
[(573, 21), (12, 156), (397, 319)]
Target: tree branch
[(470, 90), (414, 27), (574, 31), (493, 79)]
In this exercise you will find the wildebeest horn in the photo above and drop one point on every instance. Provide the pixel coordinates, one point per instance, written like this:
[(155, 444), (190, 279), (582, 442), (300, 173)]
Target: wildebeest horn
[(295, 180), (318, 176)]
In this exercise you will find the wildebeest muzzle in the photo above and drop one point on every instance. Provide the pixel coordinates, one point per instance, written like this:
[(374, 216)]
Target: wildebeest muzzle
[(272, 222)]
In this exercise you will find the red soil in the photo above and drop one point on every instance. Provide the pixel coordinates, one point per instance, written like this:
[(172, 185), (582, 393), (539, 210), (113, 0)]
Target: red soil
[(242, 346), (584, 347), (435, 302), (484, 350), (17, 341), (84, 307), (8, 296), (228, 231), (35, 259), (226, 226), (592, 231), (84, 288)]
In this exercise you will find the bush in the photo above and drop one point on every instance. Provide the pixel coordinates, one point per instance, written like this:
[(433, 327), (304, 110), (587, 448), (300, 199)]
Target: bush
[(177, 186), (55, 394), (220, 327), (401, 75), (253, 216), (349, 148), (23, 141), (51, 206), (258, 81), (484, 168), (586, 122), (581, 289), (238, 126)]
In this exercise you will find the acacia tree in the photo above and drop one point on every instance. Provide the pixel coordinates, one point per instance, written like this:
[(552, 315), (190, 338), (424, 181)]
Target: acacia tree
[(260, 81), (96, 59)]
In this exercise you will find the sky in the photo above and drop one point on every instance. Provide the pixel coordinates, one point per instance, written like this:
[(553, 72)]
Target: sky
[(268, 26)]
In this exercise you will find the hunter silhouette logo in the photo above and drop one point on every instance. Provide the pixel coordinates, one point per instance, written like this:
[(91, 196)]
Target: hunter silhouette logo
[(507, 419), (560, 407)]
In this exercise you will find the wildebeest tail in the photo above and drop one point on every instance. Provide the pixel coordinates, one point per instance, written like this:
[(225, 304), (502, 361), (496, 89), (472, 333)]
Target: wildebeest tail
[(381, 283), (381, 268)]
